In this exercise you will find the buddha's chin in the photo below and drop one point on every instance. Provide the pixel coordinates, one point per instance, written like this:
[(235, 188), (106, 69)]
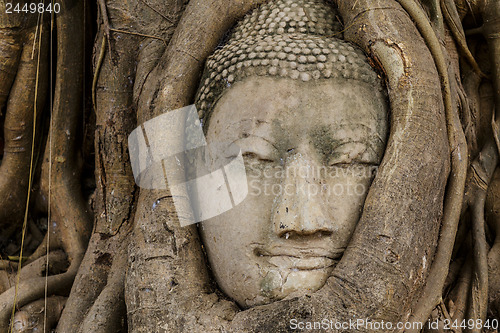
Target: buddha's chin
[(279, 284)]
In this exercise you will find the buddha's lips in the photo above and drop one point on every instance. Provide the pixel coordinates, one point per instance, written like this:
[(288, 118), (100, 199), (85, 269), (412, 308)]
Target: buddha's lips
[(300, 258)]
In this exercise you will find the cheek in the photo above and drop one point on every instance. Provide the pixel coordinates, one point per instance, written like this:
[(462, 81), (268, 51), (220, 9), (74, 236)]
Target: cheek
[(345, 196), (263, 182), (249, 221), (245, 224)]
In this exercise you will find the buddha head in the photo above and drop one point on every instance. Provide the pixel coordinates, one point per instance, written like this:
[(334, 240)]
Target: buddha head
[(310, 116)]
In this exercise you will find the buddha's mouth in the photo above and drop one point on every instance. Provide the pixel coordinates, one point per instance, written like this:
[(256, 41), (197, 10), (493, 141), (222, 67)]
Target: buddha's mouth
[(298, 259)]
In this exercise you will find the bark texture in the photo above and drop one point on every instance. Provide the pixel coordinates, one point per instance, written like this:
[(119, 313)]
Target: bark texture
[(427, 243)]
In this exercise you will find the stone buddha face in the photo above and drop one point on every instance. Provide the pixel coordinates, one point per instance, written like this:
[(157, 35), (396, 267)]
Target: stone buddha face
[(312, 131), (310, 150)]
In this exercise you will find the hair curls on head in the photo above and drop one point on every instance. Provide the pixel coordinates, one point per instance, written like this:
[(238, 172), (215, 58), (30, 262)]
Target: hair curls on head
[(283, 38)]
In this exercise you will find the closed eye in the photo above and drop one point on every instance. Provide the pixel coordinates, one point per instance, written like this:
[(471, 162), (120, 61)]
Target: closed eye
[(255, 156), (356, 168), (354, 163), (257, 147), (353, 153)]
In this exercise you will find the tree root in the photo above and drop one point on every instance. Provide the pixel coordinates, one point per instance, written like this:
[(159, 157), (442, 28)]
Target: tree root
[(107, 314), (31, 318), (57, 264), (115, 192), (35, 232), (97, 298), (102, 303), (18, 128), (454, 23), (492, 212), (63, 170), (432, 293), (473, 124), (97, 295), (10, 54), (34, 289), (436, 16), (479, 300), (107, 31), (5, 280), (491, 29), (64, 164), (7, 264), (461, 292), (483, 168), (48, 244), (456, 268), (494, 279)]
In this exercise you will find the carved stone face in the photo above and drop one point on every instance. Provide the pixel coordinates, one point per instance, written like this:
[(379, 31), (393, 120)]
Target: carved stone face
[(310, 151)]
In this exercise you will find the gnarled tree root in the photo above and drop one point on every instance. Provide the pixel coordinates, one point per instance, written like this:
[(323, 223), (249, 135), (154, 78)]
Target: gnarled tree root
[(99, 284), (39, 316), (108, 312), (18, 127), (483, 168), (56, 264), (432, 292), (34, 289), (10, 54), (490, 11), (49, 243), (492, 212), (67, 205), (66, 201), (177, 250), (461, 292)]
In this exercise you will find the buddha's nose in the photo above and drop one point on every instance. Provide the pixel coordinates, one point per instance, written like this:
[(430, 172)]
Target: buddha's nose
[(300, 208)]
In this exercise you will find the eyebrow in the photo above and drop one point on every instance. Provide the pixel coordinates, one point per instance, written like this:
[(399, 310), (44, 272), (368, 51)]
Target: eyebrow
[(257, 121), (228, 126), (373, 133)]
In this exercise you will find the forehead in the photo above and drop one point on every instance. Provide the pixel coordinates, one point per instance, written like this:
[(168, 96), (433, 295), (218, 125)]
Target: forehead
[(262, 103)]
